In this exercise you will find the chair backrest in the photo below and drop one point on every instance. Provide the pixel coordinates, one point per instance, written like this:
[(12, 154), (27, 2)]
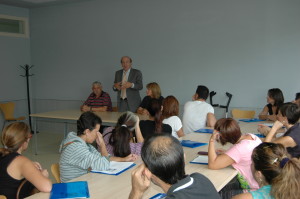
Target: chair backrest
[(114, 109), (2, 197), (245, 114), (55, 172), (8, 110)]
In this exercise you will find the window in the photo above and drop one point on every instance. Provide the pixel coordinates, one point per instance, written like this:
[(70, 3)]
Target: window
[(13, 26)]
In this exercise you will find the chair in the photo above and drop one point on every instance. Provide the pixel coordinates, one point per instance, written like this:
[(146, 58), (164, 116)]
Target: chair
[(245, 114), (2, 197), (114, 109), (8, 111), (55, 172)]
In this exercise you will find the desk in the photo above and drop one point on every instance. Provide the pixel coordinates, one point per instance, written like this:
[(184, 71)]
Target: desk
[(107, 186), (71, 116)]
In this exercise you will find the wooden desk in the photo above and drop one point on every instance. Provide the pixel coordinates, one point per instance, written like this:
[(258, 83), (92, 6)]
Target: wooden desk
[(107, 186)]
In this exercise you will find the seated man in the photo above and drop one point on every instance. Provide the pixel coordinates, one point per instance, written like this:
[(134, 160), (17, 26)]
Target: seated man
[(98, 100), (164, 165), (197, 113)]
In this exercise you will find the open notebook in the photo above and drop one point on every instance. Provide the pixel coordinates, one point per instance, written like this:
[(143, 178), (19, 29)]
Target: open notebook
[(201, 159), (116, 168), (70, 190)]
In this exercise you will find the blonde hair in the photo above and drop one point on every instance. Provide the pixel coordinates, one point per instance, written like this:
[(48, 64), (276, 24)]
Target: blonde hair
[(13, 136), (287, 183), (155, 89)]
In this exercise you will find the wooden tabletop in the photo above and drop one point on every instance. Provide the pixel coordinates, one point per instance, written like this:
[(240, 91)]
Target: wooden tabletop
[(108, 186)]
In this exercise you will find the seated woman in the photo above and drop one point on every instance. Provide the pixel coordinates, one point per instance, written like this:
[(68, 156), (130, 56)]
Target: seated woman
[(275, 99), (154, 124), (153, 91), (170, 115), (120, 141), (78, 156), (15, 168), (288, 117), (239, 155), (276, 174)]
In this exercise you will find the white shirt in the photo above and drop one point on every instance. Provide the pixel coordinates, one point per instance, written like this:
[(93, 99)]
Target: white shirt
[(175, 123), (195, 115)]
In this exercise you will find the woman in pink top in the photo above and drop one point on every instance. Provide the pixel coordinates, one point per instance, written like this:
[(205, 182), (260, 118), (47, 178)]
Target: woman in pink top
[(239, 155), (121, 140)]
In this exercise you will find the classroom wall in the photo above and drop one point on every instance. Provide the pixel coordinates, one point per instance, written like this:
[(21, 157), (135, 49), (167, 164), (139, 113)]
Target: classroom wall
[(240, 46), (14, 51)]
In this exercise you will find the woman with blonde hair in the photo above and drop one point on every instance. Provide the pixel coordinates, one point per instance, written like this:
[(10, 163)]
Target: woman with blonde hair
[(170, 115), (15, 168), (153, 91), (277, 174)]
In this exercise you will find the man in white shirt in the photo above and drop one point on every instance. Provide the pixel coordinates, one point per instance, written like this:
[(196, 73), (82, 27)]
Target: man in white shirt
[(197, 113)]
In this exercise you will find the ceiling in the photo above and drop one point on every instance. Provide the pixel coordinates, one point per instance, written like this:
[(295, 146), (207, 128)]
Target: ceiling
[(36, 3)]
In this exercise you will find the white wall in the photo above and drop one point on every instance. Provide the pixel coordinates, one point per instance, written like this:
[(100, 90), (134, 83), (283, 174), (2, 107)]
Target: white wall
[(14, 51), (240, 46)]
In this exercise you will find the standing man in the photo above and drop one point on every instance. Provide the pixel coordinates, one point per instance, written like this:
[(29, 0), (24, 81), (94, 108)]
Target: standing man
[(197, 113), (128, 82), (98, 100)]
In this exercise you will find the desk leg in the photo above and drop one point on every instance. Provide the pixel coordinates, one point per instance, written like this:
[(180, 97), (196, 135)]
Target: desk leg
[(35, 136)]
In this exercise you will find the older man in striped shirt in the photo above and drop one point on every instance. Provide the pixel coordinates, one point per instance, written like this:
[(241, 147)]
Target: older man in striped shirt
[(98, 100)]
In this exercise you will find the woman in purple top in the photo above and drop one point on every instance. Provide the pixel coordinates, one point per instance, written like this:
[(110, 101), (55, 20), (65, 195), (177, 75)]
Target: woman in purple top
[(126, 138)]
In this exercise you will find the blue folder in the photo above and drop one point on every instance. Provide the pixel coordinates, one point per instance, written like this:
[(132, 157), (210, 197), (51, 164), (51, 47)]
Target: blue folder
[(192, 144), (205, 131), (159, 196), (251, 120), (78, 189), (260, 135)]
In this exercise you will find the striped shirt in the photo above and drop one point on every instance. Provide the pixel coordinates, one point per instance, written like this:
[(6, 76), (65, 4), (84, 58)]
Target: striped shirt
[(103, 100), (77, 157)]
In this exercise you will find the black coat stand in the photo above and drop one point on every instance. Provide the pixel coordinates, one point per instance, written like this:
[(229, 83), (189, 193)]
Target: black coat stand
[(26, 67)]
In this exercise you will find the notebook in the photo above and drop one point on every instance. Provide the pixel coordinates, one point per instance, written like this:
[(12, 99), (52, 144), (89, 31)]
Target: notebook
[(201, 159), (251, 120), (260, 135), (159, 196), (78, 189), (192, 144), (116, 168), (205, 131)]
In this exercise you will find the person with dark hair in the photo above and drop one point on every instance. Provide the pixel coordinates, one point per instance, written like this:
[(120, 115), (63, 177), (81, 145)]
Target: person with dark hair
[(153, 91), (154, 123), (78, 155), (98, 100), (163, 164), (277, 174), (15, 168), (128, 83), (126, 138), (197, 113), (297, 99), (170, 115), (275, 99), (226, 131), (288, 116)]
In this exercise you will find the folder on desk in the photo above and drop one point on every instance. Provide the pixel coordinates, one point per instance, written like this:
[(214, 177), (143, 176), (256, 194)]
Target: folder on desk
[(159, 196), (251, 120), (70, 190), (205, 131), (260, 135), (192, 144), (116, 168), (201, 159)]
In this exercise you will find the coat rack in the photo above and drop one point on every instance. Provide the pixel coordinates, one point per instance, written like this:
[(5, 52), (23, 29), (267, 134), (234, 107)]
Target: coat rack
[(26, 67)]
